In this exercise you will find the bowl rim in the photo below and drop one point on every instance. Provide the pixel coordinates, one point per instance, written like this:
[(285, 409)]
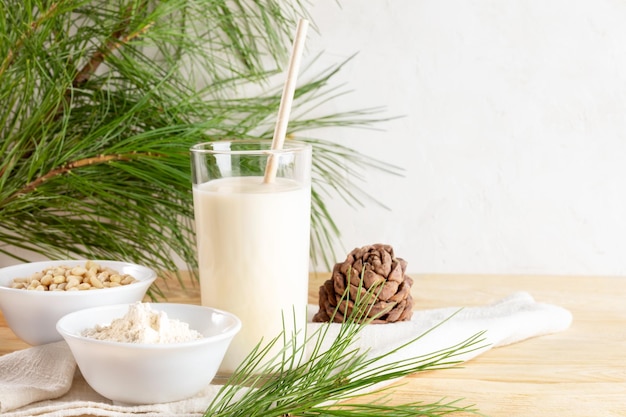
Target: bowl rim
[(229, 333), (150, 277)]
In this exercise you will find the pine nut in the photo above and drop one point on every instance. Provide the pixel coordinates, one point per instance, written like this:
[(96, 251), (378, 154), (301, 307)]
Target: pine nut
[(63, 278)]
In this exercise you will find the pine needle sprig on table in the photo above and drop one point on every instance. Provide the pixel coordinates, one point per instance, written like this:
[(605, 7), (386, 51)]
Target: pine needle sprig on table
[(100, 101), (327, 375)]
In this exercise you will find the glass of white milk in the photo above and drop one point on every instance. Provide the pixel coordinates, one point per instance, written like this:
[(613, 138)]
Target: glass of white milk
[(253, 237)]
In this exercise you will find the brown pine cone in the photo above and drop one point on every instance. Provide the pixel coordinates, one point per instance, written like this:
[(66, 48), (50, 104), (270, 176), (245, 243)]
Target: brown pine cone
[(371, 267)]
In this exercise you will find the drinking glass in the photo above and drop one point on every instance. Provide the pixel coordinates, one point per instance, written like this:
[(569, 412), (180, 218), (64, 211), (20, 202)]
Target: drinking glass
[(252, 233)]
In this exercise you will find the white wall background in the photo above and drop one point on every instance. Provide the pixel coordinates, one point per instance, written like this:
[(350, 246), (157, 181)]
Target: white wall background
[(513, 138)]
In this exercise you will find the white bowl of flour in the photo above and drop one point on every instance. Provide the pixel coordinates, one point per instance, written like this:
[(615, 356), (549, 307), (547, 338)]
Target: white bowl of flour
[(146, 353)]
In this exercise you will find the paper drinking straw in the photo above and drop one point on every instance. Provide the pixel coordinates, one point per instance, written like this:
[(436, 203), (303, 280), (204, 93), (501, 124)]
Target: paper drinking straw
[(280, 130)]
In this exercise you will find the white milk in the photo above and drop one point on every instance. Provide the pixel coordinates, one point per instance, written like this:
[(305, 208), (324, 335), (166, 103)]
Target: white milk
[(253, 255)]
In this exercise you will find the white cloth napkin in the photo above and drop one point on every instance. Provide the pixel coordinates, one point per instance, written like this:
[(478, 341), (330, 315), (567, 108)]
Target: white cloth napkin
[(41, 381), (35, 374)]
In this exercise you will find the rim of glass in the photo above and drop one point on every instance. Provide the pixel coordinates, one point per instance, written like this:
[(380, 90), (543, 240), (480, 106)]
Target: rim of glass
[(288, 147)]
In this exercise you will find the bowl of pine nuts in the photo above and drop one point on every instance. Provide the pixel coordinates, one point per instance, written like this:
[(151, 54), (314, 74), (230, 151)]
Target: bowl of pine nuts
[(35, 295)]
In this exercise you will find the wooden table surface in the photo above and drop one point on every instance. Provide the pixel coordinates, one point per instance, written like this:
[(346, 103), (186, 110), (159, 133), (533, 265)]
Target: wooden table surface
[(577, 373)]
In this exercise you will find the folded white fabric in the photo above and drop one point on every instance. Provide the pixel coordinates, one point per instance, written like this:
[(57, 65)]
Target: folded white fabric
[(35, 374), (512, 319)]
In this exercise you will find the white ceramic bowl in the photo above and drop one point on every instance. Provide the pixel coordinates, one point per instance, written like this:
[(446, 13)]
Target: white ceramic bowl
[(138, 373), (32, 315)]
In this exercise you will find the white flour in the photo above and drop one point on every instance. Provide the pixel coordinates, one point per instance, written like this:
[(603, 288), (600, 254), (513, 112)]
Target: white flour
[(141, 324)]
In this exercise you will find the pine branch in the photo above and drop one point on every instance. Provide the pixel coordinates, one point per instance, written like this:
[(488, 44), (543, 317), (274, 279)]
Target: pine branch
[(307, 380), (8, 60), (68, 167), (101, 100), (117, 39)]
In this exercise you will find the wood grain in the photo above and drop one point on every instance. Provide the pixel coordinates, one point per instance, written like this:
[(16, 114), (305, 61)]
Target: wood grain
[(577, 373)]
